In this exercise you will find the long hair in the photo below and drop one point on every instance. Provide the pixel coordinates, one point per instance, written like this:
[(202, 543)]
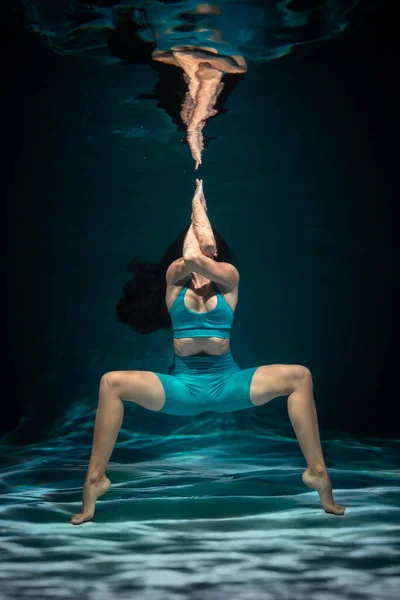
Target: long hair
[(142, 305)]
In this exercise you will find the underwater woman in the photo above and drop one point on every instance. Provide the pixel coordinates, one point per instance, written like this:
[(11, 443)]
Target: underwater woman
[(194, 291)]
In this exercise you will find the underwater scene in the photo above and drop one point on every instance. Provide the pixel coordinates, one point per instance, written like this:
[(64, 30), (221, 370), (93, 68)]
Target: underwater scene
[(168, 431)]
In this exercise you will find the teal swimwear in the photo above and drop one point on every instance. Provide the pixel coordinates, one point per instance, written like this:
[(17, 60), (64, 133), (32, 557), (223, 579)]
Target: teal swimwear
[(188, 323), (201, 383)]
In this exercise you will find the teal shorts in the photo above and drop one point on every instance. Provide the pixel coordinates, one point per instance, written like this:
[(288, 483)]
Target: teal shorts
[(197, 384)]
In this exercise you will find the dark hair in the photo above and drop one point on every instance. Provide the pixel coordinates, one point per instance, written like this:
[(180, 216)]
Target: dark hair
[(142, 305)]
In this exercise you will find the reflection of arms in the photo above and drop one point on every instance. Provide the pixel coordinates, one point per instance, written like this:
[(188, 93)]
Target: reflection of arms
[(201, 224)]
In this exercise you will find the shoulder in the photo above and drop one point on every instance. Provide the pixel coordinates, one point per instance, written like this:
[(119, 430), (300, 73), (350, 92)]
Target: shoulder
[(176, 279), (225, 275), (230, 294), (177, 272)]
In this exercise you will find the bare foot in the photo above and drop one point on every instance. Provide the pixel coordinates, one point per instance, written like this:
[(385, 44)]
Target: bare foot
[(322, 483), (91, 491)]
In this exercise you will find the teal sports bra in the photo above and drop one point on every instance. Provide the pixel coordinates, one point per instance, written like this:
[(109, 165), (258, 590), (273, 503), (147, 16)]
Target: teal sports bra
[(187, 323)]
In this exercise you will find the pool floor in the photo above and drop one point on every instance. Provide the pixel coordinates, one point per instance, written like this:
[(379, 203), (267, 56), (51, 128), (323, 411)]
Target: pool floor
[(194, 517)]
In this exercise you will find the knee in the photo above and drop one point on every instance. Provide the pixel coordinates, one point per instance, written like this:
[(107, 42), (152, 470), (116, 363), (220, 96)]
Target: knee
[(110, 380), (299, 374)]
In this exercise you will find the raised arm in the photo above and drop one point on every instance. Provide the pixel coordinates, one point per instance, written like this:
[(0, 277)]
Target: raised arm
[(201, 224), (222, 273), (193, 259), (179, 270)]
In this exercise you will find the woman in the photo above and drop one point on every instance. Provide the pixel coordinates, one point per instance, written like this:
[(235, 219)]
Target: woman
[(200, 300)]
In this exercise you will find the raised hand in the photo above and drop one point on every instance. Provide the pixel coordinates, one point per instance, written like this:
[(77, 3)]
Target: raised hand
[(199, 194), (201, 225)]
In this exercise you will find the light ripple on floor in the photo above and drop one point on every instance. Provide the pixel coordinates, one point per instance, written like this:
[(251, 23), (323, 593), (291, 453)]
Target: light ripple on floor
[(229, 519)]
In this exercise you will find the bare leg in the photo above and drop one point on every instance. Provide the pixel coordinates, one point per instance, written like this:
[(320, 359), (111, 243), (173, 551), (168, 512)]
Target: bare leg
[(142, 387), (296, 382)]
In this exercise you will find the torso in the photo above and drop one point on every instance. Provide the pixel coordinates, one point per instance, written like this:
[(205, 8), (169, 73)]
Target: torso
[(200, 300)]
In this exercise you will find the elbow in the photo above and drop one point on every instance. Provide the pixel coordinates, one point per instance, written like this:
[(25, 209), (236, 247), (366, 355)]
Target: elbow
[(191, 258)]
